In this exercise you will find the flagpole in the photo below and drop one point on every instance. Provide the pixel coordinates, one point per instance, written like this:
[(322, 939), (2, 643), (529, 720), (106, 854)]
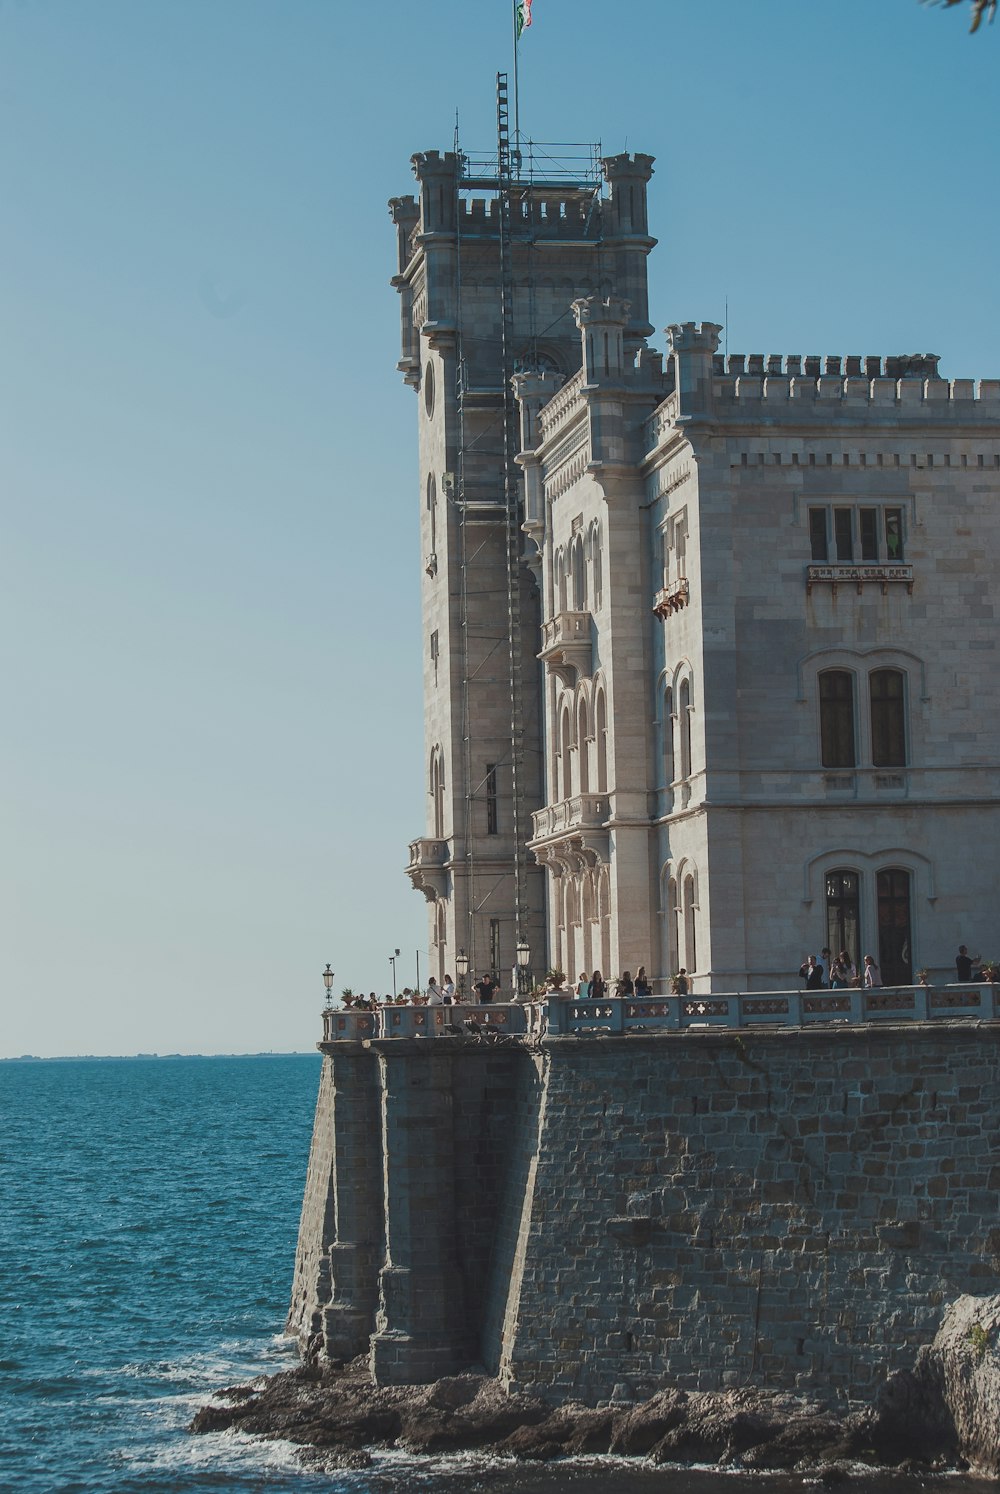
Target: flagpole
[(517, 112)]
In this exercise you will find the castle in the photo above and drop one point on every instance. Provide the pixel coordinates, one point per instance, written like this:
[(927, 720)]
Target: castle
[(721, 691), (710, 668)]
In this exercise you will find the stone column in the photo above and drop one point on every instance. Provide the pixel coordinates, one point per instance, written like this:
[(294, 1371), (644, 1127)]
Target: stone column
[(422, 1331), (336, 1268)]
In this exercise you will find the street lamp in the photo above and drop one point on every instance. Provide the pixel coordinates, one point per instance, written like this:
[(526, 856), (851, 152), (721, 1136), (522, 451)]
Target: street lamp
[(462, 966), (328, 978), (523, 954), (392, 961)]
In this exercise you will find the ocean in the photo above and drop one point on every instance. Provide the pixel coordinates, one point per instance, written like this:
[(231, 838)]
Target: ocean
[(148, 1215)]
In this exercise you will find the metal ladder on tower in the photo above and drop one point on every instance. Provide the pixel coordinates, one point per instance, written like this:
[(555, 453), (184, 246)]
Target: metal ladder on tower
[(512, 504)]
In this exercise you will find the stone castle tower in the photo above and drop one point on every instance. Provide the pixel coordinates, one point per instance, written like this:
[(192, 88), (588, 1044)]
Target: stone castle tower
[(573, 231)]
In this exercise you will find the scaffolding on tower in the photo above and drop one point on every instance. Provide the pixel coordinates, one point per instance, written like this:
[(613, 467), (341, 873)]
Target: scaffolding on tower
[(520, 173)]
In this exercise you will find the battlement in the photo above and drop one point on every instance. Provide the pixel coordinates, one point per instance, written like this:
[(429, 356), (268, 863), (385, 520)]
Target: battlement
[(906, 395), (794, 365), (542, 213)]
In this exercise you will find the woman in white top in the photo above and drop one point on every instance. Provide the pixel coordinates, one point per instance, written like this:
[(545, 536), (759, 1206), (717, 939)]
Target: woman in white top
[(448, 991), (873, 975)]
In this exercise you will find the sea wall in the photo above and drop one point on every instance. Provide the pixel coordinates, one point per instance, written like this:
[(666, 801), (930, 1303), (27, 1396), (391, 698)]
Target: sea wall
[(604, 1216)]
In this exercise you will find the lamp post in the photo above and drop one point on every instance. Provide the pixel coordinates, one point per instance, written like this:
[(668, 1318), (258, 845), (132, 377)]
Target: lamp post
[(328, 978), (523, 955), (392, 961), (462, 966)]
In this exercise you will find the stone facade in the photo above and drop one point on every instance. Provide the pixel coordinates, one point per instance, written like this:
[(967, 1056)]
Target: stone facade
[(778, 732), (568, 241), (755, 619), (787, 1209)]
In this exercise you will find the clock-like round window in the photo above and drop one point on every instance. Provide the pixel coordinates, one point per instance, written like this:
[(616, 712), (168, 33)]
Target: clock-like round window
[(429, 388)]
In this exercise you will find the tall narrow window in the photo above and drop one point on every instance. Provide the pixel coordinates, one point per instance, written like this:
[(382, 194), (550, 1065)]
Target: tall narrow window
[(567, 755), (690, 940), (836, 718), (432, 514), (583, 748), (494, 947), (668, 737), (435, 653), (817, 535), (843, 904), (492, 810), (888, 718), (894, 953), (868, 532), (601, 742), (579, 576), (893, 533), (684, 712), (437, 792), (561, 579), (843, 533), (673, 927), (598, 566)]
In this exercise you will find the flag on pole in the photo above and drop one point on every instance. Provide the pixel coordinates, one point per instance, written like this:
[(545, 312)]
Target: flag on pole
[(523, 16)]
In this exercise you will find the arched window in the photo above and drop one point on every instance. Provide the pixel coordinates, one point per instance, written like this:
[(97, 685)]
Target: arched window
[(690, 939), (561, 580), (595, 547), (895, 955), (437, 792), (887, 697), (668, 737), (843, 905), (684, 712), (604, 916), (583, 747), (673, 927), (836, 718), (590, 942), (566, 738), (579, 576), (601, 742)]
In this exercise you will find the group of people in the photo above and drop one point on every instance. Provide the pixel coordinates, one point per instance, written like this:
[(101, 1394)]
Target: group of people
[(595, 988), (483, 991), (822, 972)]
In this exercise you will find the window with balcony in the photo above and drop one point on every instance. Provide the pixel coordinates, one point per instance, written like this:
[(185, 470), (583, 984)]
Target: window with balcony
[(856, 532), (836, 718)]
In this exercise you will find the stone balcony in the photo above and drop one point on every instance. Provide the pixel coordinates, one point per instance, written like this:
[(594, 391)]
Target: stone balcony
[(567, 647), (672, 598), (426, 867), (572, 832), (859, 576)]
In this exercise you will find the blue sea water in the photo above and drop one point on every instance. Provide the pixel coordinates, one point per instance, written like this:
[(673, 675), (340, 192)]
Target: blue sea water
[(148, 1214)]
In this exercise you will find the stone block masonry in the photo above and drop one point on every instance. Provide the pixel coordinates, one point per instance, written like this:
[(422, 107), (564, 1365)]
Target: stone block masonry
[(786, 1209)]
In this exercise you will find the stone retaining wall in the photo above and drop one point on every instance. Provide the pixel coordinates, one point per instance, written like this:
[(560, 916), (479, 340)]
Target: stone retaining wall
[(706, 1209)]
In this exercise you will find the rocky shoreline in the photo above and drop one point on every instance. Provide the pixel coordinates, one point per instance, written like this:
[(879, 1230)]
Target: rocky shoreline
[(942, 1415)]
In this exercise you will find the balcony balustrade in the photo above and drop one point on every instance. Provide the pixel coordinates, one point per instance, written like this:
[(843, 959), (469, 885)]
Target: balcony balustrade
[(672, 598), (859, 576), (426, 868), (422, 1021), (581, 812), (567, 646), (571, 1017)]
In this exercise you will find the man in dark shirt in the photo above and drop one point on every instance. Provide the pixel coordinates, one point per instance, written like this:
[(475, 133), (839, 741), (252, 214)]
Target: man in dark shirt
[(965, 963)]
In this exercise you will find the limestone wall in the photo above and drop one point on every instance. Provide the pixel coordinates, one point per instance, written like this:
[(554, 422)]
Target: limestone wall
[(789, 1209)]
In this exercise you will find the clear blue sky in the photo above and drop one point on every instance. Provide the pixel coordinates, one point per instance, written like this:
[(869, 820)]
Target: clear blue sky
[(212, 737)]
